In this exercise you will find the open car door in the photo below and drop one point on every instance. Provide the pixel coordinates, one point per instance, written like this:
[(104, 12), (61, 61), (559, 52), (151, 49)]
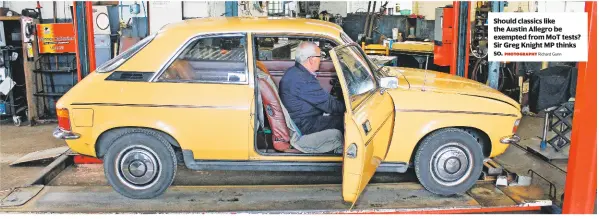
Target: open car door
[(368, 119)]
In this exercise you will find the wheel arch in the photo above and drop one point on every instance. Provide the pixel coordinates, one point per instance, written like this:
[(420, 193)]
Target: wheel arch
[(108, 136), (481, 137)]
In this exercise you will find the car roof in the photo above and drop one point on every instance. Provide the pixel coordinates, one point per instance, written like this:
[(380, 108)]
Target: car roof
[(252, 24)]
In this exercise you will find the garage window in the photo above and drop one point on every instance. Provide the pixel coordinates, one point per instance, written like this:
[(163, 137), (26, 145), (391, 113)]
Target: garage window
[(275, 8), (214, 59)]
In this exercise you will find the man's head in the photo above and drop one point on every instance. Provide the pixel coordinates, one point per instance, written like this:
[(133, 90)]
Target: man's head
[(308, 54)]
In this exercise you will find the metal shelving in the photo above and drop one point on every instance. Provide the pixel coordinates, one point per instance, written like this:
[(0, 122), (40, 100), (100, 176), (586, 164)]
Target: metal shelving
[(57, 74)]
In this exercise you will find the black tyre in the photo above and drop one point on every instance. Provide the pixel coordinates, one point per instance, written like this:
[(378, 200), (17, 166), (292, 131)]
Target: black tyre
[(140, 164), (449, 161)]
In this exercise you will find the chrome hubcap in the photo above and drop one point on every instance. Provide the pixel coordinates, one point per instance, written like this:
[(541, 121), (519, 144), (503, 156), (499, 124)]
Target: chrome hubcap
[(138, 166), (451, 164)]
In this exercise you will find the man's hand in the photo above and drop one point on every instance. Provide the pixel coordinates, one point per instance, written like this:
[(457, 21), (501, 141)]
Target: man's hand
[(313, 93)]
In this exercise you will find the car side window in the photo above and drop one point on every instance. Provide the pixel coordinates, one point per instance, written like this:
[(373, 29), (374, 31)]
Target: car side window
[(283, 48), (214, 59)]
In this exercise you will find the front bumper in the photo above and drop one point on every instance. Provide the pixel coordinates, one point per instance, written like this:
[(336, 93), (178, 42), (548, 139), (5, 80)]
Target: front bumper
[(510, 139), (63, 134)]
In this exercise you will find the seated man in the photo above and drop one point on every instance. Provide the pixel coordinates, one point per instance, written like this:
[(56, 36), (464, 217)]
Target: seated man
[(304, 98)]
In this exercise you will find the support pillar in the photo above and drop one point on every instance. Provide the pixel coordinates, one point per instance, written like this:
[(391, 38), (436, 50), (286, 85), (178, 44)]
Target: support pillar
[(91, 46), (493, 78), (581, 179), (82, 56), (455, 29), (84, 38), (463, 12), (231, 8)]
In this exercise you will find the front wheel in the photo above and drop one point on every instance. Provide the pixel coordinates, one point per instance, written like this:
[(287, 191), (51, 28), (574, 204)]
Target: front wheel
[(140, 164), (449, 161)]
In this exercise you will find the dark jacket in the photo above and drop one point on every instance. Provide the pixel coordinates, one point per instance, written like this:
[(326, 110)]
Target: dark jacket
[(303, 96)]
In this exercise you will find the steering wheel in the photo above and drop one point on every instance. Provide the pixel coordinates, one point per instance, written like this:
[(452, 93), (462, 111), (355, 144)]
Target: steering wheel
[(336, 89)]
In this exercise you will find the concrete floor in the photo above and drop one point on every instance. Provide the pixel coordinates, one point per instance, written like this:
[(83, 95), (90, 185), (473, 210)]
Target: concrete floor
[(517, 160), (18, 141), (93, 174)]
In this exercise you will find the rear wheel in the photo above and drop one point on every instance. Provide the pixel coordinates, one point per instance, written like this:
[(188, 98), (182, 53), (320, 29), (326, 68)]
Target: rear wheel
[(449, 161), (140, 164)]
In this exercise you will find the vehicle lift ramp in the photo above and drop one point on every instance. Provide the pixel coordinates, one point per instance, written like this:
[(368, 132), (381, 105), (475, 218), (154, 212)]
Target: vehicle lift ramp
[(484, 197), (387, 198)]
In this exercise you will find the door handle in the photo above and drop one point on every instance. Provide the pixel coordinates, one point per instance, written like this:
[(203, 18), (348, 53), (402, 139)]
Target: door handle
[(366, 127)]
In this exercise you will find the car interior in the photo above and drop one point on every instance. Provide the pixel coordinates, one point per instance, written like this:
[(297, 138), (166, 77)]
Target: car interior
[(275, 56), (222, 60)]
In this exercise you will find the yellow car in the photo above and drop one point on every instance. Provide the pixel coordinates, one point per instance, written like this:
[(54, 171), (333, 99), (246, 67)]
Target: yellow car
[(197, 92)]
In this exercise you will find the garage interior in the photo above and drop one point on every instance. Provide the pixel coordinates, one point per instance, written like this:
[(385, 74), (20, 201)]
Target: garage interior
[(552, 170)]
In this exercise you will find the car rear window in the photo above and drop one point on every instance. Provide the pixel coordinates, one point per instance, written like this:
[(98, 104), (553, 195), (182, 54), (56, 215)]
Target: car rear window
[(283, 48), (117, 61), (210, 59)]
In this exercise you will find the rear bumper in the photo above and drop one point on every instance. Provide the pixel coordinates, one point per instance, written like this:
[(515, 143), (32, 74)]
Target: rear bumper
[(510, 139), (63, 134)]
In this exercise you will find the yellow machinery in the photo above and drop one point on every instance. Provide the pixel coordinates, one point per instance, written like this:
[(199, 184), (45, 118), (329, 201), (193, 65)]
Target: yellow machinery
[(412, 46), (375, 49)]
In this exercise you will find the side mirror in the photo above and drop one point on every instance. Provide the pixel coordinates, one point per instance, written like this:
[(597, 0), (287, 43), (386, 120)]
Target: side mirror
[(389, 82)]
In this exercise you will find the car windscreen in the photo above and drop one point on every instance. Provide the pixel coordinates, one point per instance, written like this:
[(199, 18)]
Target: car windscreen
[(356, 72), (347, 40)]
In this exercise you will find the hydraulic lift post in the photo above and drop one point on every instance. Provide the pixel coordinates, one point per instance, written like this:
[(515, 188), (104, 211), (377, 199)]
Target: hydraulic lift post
[(462, 33), (84, 38), (91, 47), (453, 48), (85, 52), (580, 190), (493, 78), (581, 179), (455, 34)]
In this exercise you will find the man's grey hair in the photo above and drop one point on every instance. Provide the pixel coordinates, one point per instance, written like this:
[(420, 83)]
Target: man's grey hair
[(304, 51)]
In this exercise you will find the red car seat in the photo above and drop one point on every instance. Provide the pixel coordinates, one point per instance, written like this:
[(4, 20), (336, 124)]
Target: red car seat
[(274, 112)]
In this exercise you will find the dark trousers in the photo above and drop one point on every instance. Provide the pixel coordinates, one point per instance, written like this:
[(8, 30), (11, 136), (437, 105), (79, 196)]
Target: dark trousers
[(309, 125)]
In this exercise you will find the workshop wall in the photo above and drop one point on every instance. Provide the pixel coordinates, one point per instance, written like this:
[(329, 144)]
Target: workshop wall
[(339, 7), (561, 6), (362, 6), (427, 9), (163, 13), (63, 11), (198, 9), (358, 6), (523, 6), (353, 25)]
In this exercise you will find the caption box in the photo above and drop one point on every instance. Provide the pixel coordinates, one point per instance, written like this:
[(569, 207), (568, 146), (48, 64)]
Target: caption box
[(538, 37)]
